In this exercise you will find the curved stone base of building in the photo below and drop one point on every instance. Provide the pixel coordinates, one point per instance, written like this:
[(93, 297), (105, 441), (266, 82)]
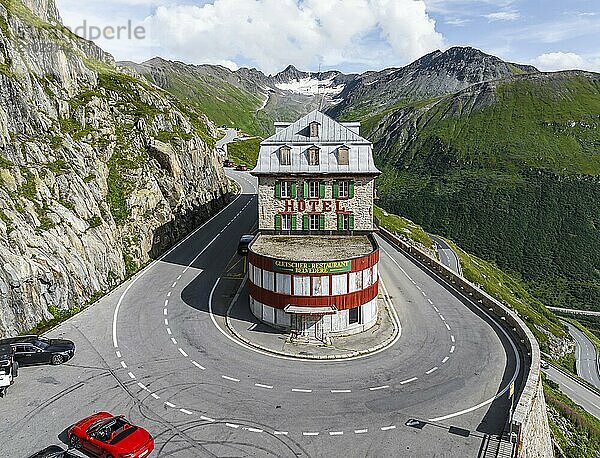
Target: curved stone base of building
[(319, 326)]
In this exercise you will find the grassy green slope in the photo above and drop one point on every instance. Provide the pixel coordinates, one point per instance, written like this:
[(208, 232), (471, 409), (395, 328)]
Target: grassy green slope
[(514, 181), (244, 152)]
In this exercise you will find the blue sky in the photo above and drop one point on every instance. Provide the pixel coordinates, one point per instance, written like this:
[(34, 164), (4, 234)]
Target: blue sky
[(349, 35)]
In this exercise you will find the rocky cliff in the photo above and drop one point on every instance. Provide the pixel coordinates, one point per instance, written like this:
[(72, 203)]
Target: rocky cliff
[(99, 171)]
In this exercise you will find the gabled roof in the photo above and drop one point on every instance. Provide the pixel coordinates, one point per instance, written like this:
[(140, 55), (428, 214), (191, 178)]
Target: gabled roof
[(329, 131)]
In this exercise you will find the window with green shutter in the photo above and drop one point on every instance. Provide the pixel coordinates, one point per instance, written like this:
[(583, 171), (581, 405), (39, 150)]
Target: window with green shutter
[(322, 189), (278, 189), (351, 222), (305, 222), (322, 222), (340, 222), (336, 189), (351, 190), (277, 222), (305, 190), (294, 222), (294, 190)]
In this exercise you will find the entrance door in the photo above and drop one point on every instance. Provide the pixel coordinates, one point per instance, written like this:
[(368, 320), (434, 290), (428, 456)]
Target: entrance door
[(308, 326)]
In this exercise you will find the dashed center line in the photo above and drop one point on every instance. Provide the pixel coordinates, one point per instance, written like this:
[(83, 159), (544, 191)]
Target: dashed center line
[(310, 433), (173, 340), (131, 376), (185, 411), (387, 428), (280, 433), (260, 385), (382, 387), (232, 425), (226, 377), (341, 391), (182, 352), (199, 366), (452, 349), (408, 381), (336, 433), (361, 431), (301, 390), (433, 369), (445, 359), (170, 404)]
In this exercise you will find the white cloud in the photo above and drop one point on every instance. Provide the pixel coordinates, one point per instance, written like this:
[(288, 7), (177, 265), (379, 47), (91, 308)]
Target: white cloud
[(273, 33), (555, 61), (511, 15)]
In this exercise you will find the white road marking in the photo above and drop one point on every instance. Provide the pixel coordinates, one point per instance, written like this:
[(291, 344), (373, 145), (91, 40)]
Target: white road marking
[(155, 396), (452, 349), (442, 317), (341, 391), (123, 364), (433, 369), (429, 300), (174, 284), (232, 425), (387, 428), (142, 386), (118, 353), (230, 378), (254, 430), (166, 322), (447, 327), (185, 411), (336, 433), (165, 312), (423, 293), (169, 294), (183, 352), (131, 376), (361, 431), (179, 277), (409, 380), (202, 417), (166, 302), (436, 309), (169, 331), (280, 433), (260, 385), (153, 263), (198, 365), (445, 359), (173, 340), (310, 434), (301, 390), (170, 404), (382, 387), (568, 387), (452, 338)]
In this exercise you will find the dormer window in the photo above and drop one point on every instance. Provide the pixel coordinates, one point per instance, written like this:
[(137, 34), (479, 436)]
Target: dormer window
[(313, 155), (343, 155), (314, 129), (285, 155)]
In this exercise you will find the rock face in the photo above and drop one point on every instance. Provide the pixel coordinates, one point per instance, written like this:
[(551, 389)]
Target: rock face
[(99, 171)]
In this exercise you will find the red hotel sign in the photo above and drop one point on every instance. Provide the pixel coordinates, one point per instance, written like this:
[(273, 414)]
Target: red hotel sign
[(314, 206)]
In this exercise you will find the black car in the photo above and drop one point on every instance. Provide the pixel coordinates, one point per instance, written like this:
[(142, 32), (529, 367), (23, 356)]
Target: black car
[(54, 451), (245, 242), (31, 350)]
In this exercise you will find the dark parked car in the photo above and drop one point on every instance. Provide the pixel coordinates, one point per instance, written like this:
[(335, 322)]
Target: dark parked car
[(9, 368), (54, 451), (40, 350), (244, 244), (242, 168)]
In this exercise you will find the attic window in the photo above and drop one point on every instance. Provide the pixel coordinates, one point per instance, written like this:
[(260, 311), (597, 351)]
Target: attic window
[(314, 129), (285, 155), (343, 155), (313, 155)]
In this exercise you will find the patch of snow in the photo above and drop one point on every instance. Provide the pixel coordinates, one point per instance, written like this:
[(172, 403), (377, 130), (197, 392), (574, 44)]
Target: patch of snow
[(311, 86)]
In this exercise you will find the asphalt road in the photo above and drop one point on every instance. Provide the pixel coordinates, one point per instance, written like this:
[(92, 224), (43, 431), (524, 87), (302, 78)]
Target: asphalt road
[(585, 355), (580, 394), (156, 351), (575, 311), (230, 134), (447, 255)]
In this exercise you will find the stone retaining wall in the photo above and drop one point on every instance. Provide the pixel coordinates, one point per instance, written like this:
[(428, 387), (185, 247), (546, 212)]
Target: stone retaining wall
[(530, 421)]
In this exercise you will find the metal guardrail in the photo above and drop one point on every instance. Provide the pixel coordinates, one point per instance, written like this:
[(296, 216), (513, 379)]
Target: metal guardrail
[(506, 317)]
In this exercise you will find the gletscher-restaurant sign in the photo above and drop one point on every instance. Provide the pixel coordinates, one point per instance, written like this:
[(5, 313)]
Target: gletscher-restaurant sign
[(300, 267)]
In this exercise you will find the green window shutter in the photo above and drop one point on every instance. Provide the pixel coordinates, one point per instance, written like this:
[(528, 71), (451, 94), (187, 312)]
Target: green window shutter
[(322, 189), (340, 218), (305, 190), (322, 222), (351, 190), (336, 189), (351, 222), (294, 222), (293, 190), (305, 222), (277, 222), (278, 189)]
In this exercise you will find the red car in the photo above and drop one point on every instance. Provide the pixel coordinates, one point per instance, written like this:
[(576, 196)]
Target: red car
[(242, 168), (107, 436)]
